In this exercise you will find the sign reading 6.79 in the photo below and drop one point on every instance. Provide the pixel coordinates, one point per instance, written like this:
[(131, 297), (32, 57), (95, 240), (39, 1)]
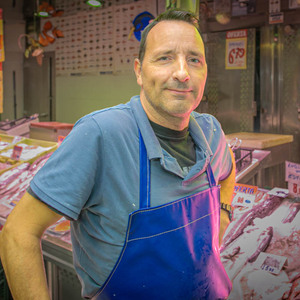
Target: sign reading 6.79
[(236, 49)]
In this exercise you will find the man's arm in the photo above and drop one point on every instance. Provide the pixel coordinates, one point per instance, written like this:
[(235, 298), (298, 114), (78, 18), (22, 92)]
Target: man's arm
[(227, 188), (20, 248)]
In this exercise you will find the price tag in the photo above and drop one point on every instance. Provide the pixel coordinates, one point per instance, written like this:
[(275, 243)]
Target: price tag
[(279, 192), (294, 189), (292, 176), (270, 262), (17, 151), (244, 195), (236, 49)]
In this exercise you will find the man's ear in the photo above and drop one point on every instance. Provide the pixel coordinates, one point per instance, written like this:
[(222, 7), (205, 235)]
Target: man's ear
[(137, 70)]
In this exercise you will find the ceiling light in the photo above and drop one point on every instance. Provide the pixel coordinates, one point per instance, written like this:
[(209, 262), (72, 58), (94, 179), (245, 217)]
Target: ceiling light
[(43, 14), (94, 3)]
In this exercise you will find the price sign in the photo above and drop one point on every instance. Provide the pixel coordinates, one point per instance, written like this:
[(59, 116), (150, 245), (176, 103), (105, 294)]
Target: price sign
[(270, 262), (292, 176), (17, 151), (294, 189), (236, 49), (244, 195)]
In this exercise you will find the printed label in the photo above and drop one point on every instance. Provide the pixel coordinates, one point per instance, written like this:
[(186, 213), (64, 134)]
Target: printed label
[(270, 262), (17, 151), (244, 195)]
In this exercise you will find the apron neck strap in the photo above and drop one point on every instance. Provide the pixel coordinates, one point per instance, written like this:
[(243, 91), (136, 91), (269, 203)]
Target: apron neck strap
[(144, 175), (210, 176)]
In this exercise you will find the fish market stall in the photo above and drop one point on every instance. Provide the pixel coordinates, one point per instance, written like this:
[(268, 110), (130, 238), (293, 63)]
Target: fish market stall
[(257, 247), (261, 246)]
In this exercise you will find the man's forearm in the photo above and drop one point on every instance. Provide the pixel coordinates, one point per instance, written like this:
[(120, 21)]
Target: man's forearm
[(23, 264), (20, 248)]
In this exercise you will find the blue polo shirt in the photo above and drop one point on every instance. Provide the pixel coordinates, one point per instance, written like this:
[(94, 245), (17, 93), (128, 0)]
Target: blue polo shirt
[(93, 179)]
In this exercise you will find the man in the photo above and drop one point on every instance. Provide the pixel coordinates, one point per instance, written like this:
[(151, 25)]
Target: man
[(152, 164)]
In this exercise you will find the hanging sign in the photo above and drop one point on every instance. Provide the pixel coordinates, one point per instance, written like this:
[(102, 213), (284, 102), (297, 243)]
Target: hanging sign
[(276, 18), (236, 49)]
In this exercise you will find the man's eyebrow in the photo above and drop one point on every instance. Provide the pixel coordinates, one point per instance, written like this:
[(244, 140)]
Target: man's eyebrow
[(163, 52), (195, 53)]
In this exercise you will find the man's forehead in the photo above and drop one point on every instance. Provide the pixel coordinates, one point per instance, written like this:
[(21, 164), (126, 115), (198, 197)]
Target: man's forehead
[(170, 30), (167, 24)]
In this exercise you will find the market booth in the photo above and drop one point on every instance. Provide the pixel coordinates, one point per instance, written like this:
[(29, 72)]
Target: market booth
[(254, 96), (261, 243)]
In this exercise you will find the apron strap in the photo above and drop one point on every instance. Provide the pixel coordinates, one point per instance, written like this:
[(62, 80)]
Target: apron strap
[(144, 175), (210, 176)]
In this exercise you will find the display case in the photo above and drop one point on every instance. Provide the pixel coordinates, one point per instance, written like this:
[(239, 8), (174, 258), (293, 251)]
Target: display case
[(249, 224)]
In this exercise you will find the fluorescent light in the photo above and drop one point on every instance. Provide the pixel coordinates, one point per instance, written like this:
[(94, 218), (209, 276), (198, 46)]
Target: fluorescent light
[(43, 14), (94, 3)]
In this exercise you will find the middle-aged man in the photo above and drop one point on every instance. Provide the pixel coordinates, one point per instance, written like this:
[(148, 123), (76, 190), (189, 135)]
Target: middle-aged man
[(139, 182)]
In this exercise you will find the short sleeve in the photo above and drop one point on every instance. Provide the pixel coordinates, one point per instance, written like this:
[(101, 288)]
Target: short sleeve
[(67, 179)]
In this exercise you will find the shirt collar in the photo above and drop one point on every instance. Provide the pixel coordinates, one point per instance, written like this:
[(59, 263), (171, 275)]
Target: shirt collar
[(151, 142), (198, 136)]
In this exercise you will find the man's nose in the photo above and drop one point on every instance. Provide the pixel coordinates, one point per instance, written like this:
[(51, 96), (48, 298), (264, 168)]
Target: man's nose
[(181, 72)]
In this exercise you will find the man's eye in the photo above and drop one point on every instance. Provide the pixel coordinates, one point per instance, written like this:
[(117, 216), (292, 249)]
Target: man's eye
[(195, 60), (163, 58)]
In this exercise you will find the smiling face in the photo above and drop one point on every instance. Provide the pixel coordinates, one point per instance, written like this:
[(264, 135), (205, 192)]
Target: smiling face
[(173, 73)]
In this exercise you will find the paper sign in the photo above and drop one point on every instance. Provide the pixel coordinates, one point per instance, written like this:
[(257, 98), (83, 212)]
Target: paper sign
[(276, 18), (17, 151), (294, 4), (292, 172), (294, 189), (270, 262), (279, 192), (292, 176), (244, 195), (236, 49)]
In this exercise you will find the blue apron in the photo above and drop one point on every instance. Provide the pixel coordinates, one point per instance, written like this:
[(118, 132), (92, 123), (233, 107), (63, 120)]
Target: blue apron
[(171, 251)]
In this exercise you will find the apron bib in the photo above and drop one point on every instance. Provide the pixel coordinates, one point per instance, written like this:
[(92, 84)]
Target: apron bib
[(171, 251)]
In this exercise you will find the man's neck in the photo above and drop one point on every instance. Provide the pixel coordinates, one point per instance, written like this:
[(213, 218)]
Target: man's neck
[(178, 123)]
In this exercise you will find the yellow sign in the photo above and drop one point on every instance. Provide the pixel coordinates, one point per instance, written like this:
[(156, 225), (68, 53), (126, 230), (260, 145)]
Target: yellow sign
[(1, 60), (236, 49), (1, 38), (1, 89)]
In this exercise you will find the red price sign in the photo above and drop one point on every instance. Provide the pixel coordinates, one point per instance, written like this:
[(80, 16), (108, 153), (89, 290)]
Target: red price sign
[(235, 54), (17, 151), (236, 49)]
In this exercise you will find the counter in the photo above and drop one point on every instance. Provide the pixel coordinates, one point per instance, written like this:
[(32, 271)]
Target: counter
[(272, 172), (57, 250)]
